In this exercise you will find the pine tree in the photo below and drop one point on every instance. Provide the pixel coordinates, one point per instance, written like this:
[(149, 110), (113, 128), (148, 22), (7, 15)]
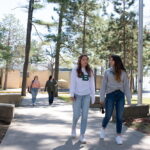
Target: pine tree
[(12, 36)]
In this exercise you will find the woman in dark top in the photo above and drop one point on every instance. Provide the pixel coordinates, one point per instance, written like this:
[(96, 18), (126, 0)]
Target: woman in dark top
[(50, 87)]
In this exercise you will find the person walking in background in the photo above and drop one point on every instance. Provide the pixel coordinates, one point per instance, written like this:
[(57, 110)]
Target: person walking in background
[(34, 87), (82, 90), (50, 87), (115, 86)]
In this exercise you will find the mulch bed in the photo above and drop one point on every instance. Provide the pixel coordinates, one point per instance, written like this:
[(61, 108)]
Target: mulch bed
[(140, 124), (3, 130)]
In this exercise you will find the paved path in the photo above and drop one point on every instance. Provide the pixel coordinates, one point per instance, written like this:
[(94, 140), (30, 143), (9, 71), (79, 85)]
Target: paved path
[(48, 128)]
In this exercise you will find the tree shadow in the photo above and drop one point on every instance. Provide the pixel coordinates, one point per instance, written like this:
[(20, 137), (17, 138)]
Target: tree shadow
[(40, 120), (28, 141), (41, 102), (133, 140), (69, 145)]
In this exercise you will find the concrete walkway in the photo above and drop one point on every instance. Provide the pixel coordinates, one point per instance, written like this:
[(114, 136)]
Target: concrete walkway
[(46, 127)]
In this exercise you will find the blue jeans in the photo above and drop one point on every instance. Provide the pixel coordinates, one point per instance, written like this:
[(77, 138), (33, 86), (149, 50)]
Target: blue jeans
[(80, 108), (51, 97), (34, 92), (116, 99)]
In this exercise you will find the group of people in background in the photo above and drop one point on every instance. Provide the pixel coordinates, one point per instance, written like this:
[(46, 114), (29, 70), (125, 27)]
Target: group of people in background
[(50, 87), (114, 88)]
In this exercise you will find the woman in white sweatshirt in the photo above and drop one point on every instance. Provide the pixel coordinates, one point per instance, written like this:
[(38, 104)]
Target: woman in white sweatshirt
[(82, 90)]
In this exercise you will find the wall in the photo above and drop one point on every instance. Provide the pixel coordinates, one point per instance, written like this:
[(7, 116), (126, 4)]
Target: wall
[(15, 79)]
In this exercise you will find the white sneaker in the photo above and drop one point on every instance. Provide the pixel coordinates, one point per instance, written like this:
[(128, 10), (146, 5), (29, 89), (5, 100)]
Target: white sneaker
[(102, 133), (119, 140), (82, 139), (73, 133)]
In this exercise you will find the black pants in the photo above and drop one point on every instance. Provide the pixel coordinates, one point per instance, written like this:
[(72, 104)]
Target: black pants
[(51, 97)]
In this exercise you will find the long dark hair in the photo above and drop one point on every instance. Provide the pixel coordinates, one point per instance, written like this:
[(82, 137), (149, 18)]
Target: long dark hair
[(118, 66), (34, 79), (50, 77), (87, 68)]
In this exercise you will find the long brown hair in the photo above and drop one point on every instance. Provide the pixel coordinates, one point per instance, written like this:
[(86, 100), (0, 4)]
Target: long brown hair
[(118, 67), (79, 67), (35, 77)]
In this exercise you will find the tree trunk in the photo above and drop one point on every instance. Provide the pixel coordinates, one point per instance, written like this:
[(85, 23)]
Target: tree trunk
[(58, 44), (6, 77), (1, 77), (136, 84), (124, 35), (95, 75), (84, 30), (52, 69), (27, 47), (131, 81), (7, 64), (132, 71)]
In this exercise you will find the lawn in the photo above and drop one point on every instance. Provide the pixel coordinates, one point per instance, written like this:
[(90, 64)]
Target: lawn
[(145, 100), (66, 97)]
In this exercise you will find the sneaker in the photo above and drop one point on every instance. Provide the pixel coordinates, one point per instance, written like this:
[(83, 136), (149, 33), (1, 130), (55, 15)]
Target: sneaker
[(34, 104), (73, 134), (119, 140), (102, 133), (82, 139)]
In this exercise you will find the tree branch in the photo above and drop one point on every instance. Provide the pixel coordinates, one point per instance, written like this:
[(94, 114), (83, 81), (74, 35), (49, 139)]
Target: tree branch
[(37, 32)]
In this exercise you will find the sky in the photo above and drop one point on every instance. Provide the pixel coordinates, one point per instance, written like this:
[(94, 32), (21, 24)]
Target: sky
[(14, 7)]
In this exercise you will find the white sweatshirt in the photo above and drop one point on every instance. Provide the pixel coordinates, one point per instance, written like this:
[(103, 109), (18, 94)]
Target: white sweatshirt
[(81, 87)]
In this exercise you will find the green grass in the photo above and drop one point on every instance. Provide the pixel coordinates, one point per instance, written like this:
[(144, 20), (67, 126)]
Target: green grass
[(144, 101), (65, 97)]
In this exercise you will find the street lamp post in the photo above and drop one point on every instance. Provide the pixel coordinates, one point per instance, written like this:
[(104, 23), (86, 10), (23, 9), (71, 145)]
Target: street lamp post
[(140, 52)]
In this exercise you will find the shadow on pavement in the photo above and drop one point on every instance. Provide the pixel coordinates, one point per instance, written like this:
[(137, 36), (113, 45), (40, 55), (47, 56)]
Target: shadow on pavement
[(70, 146)]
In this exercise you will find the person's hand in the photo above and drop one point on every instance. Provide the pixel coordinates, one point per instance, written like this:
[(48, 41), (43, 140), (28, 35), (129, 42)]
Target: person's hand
[(128, 104), (93, 99), (72, 98), (93, 102), (102, 103)]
